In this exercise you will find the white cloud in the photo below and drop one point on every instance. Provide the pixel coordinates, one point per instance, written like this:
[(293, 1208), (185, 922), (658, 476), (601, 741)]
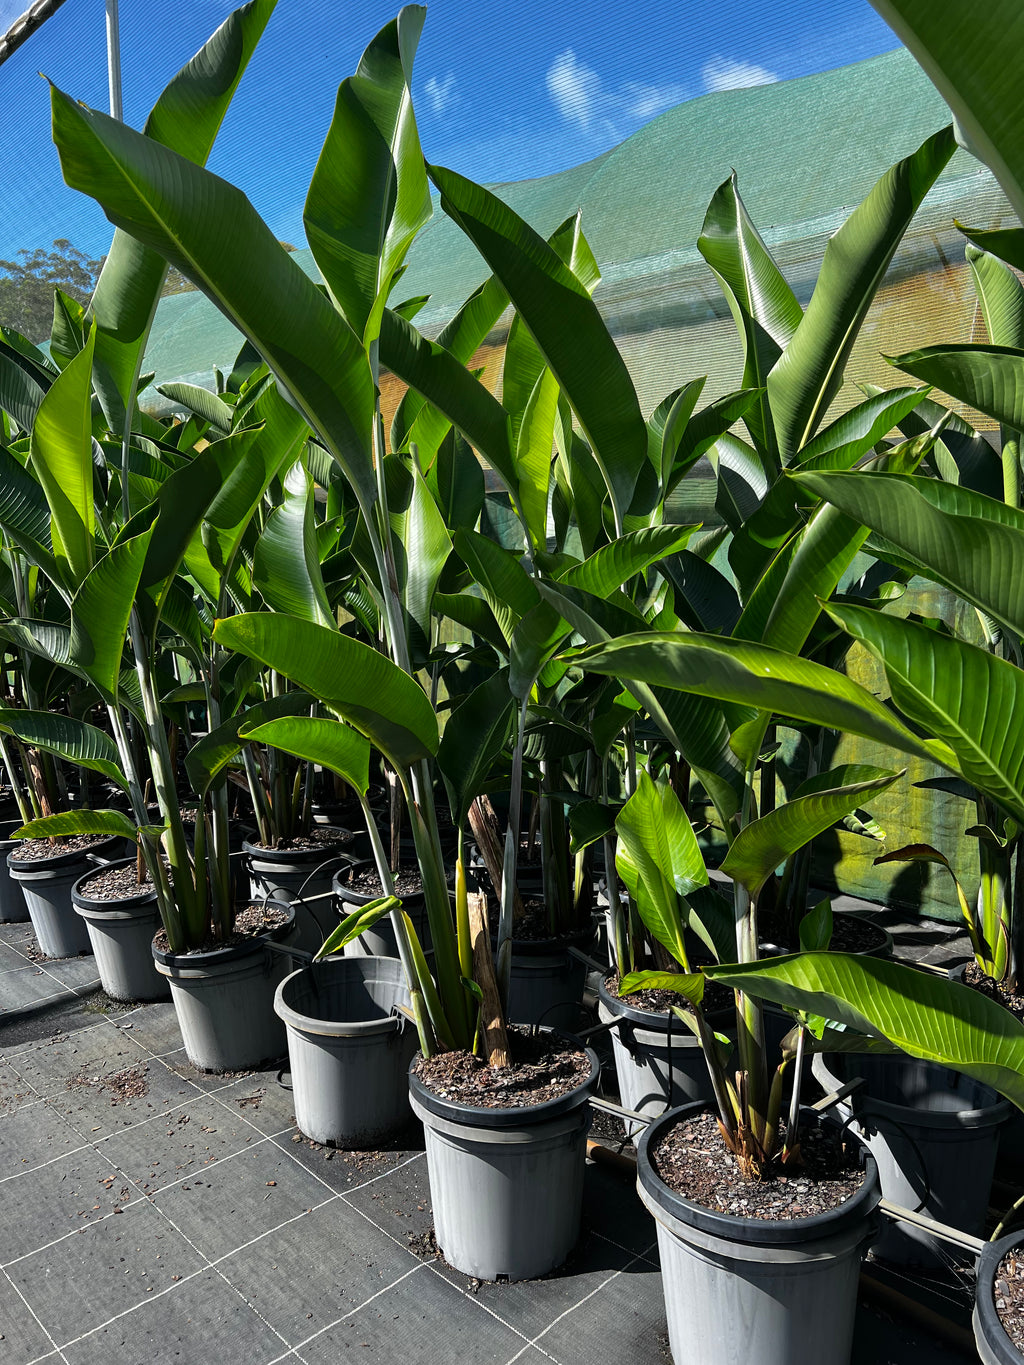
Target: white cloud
[(581, 97), (441, 94), (725, 73)]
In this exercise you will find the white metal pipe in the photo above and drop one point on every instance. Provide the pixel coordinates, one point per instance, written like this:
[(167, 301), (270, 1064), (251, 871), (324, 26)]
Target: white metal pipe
[(114, 61)]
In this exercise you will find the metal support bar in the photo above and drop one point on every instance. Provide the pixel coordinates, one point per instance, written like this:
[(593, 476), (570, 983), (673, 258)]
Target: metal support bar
[(610, 1107), (820, 1106), (588, 960), (114, 61), (964, 1240)]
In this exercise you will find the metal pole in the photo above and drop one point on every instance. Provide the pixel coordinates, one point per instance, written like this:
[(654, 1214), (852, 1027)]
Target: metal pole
[(114, 61)]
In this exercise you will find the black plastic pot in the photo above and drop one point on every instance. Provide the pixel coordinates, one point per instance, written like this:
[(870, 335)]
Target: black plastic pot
[(298, 875), (994, 1346), (13, 909), (380, 940), (788, 1289)]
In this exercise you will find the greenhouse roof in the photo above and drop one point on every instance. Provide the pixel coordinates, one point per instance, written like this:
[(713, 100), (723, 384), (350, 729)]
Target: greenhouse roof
[(801, 166)]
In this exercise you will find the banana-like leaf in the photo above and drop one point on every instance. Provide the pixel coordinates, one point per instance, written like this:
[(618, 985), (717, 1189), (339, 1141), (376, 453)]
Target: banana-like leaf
[(956, 49), (209, 756), (316, 739), (438, 377), (980, 557), (361, 684), (763, 845), (369, 195), (1001, 296), (456, 481), (989, 378), (61, 459), (362, 918), (758, 676), (211, 232), (202, 403), (816, 927), (100, 612), (286, 566), (764, 308), (23, 385), (1007, 244), (566, 325), (612, 566), (186, 118), (422, 544), (506, 584), (658, 860), (79, 822), (473, 738), (923, 1014), (589, 821), (72, 739), (534, 442), (966, 696), (690, 985), (706, 428), (809, 373)]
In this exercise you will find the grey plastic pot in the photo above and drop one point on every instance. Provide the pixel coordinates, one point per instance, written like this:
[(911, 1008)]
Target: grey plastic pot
[(506, 1185), (224, 1000), (994, 1346), (13, 909), (297, 875), (934, 1134), (546, 982), (380, 940), (121, 933), (349, 1049), (46, 884), (787, 1289), (658, 1061)]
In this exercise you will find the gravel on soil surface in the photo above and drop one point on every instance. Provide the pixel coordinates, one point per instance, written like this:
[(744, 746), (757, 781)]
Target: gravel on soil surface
[(1008, 1293), (658, 1001), (984, 985), (249, 924), (544, 1067), (692, 1160), (28, 849), (850, 934), (116, 884), (321, 836), (366, 882)]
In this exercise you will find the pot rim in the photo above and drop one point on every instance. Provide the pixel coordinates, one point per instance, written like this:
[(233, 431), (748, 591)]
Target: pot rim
[(863, 1104), (478, 1116), (327, 850), (656, 1021), (92, 908), (213, 957), (748, 1231), (338, 1028), (60, 861), (986, 1321)]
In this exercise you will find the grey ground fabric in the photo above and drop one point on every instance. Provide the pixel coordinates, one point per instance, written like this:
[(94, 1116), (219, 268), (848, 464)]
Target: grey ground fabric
[(151, 1213)]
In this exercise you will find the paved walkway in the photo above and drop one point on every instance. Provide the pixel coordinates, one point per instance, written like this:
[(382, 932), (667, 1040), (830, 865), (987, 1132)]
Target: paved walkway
[(151, 1213)]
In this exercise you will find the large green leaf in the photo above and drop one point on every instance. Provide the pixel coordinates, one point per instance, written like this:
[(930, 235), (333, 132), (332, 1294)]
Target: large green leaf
[(970, 54), (1001, 296), (331, 743), (286, 567), (506, 584), (534, 443), (763, 845), (22, 384), (422, 546), (437, 376), (369, 195), (69, 738), (566, 325), (186, 118), (211, 232), (61, 459), (966, 696), (979, 556), (925, 1015), (612, 566), (764, 308), (209, 756), (473, 738), (79, 822), (202, 403), (809, 373), (658, 860), (361, 684), (24, 514), (755, 675), (989, 378), (100, 612)]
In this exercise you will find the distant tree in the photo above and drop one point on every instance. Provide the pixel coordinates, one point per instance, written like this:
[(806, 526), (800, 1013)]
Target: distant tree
[(27, 285)]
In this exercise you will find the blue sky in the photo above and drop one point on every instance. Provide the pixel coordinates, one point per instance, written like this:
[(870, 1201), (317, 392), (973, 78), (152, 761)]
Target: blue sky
[(502, 91)]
